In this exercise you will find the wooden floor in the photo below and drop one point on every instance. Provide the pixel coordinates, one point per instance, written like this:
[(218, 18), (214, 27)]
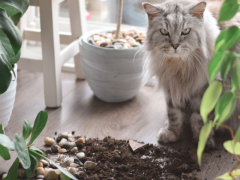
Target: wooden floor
[(139, 119)]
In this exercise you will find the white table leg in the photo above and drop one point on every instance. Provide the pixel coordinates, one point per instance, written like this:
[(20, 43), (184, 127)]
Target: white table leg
[(78, 26), (51, 52)]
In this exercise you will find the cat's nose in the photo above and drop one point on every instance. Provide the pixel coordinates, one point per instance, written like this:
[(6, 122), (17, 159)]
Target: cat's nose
[(175, 46)]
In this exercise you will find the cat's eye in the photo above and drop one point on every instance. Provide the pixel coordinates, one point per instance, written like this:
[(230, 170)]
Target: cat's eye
[(164, 32), (186, 31)]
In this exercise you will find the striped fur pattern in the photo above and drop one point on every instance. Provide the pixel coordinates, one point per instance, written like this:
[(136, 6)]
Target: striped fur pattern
[(181, 72)]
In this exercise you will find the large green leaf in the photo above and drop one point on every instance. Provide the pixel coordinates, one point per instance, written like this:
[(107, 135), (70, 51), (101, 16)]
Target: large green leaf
[(34, 163), (225, 107), (235, 74), (22, 151), (227, 39), (4, 153), (39, 125), (11, 31), (210, 99), (203, 137), (6, 142), (27, 129), (13, 171), (231, 147), (227, 64), (5, 74), (229, 10), (215, 65), (227, 176), (15, 8)]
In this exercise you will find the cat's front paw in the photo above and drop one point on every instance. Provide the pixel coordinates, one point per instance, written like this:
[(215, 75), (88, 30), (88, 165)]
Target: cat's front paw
[(167, 136)]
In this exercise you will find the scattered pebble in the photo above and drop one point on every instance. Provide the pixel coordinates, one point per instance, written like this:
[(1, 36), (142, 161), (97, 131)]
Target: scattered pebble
[(49, 141), (61, 136), (45, 163), (55, 148), (72, 170), (40, 177), (89, 165), (80, 141), (74, 150), (61, 151), (40, 164), (50, 175), (40, 171)]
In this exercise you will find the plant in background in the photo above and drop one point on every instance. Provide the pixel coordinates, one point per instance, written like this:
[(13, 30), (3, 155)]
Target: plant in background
[(28, 155), (226, 62), (10, 38)]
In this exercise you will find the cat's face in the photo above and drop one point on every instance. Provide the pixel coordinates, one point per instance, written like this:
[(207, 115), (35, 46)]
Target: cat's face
[(175, 27)]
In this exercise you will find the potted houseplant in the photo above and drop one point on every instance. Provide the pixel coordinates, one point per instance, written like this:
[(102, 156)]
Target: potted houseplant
[(113, 67), (10, 44)]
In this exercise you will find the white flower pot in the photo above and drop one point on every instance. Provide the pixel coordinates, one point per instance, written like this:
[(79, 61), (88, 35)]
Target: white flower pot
[(7, 100), (114, 75)]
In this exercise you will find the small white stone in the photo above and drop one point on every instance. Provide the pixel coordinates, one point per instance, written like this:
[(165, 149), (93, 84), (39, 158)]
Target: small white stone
[(81, 155), (49, 141), (62, 142)]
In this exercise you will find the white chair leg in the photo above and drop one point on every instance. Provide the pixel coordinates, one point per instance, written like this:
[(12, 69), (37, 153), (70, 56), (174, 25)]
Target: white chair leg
[(78, 26), (51, 52)]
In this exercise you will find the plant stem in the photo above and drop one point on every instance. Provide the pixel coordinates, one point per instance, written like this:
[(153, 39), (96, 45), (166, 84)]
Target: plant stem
[(120, 12)]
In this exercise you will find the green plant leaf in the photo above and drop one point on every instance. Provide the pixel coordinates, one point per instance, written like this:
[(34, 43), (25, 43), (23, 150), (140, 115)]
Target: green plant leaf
[(227, 39), (203, 137), (37, 150), (11, 31), (34, 163), (64, 177), (227, 64), (237, 136), (4, 153), (215, 65), (235, 74), (5, 75), (229, 10), (22, 151), (228, 176), (15, 8), (27, 129), (210, 99), (225, 107), (13, 171), (231, 147), (6, 142), (39, 125)]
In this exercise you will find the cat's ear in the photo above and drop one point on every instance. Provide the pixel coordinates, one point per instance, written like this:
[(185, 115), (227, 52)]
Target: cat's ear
[(151, 10), (199, 9)]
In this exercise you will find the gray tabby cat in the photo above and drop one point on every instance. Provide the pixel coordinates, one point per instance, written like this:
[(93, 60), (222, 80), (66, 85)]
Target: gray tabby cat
[(179, 45)]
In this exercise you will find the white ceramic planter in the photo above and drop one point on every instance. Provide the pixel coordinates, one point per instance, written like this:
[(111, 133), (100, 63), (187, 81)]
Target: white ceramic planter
[(114, 75), (7, 100)]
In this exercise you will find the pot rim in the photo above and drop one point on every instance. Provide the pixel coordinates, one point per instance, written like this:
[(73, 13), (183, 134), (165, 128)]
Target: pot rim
[(83, 40)]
